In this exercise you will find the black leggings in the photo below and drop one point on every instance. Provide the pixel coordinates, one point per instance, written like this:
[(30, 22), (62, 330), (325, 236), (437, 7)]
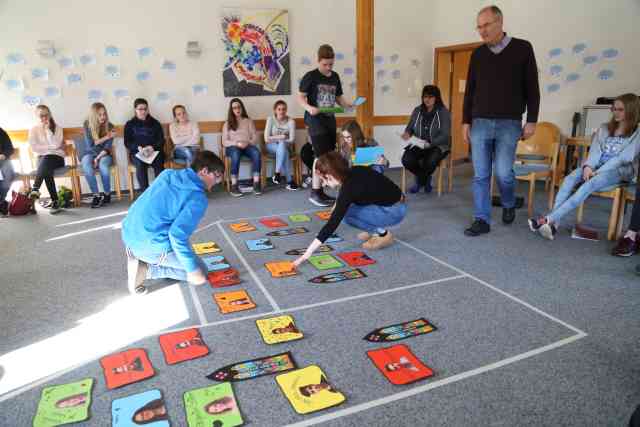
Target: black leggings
[(47, 164), (323, 143), (306, 154), (422, 163), (141, 169), (634, 225)]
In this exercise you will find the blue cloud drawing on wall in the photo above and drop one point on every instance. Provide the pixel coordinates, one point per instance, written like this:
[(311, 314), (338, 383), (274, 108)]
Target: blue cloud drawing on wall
[(30, 100), (579, 48), (379, 60), (349, 71), (94, 95), (168, 65), (143, 76), (112, 51), (200, 89), (52, 92), (65, 62), (87, 59), (572, 77), (121, 94), (74, 78), (40, 74), (415, 63), (553, 88), (394, 58), (380, 74), (610, 53), (112, 71), (15, 58), (606, 74), (555, 69), (144, 52), (14, 85), (339, 56), (305, 60), (589, 60), (396, 74), (163, 96), (555, 52)]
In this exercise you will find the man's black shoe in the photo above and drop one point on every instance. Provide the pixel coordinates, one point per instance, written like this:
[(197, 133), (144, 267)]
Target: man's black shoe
[(478, 227)]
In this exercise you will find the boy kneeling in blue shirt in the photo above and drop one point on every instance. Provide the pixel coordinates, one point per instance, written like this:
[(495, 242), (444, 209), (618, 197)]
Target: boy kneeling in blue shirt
[(158, 226)]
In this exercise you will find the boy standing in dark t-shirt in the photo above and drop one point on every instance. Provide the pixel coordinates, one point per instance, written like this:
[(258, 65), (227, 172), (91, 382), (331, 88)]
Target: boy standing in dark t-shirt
[(321, 88)]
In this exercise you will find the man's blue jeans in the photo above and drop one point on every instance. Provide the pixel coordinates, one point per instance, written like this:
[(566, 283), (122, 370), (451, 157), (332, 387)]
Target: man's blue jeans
[(493, 145), (371, 217)]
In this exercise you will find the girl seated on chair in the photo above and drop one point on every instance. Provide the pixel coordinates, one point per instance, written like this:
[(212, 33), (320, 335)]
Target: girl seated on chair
[(430, 125), (353, 138), (610, 162), (239, 139), (98, 141), (6, 171), (368, 201), (279, 134), (46, 142), (185, 135), (629, 244)]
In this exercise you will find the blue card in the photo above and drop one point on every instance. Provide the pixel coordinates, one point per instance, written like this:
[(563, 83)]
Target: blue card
[(216, 262), (334, 238), (143, 408), (359, 101), (366, 156), (259, 244)]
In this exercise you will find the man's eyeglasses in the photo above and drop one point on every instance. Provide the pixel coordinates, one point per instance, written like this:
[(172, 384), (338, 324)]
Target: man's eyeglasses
[(485, 26), (141, 109)]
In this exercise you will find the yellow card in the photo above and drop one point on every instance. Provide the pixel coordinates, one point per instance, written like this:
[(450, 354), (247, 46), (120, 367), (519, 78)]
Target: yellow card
[(281, 268), (206, 248), (242, 227), (308, 390), (278, 329)]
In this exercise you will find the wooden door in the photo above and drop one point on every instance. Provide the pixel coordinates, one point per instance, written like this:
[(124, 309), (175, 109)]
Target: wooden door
[(460, 149)]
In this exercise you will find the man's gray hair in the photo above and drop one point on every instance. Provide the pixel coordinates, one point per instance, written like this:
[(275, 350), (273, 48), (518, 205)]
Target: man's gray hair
[(494, 9)]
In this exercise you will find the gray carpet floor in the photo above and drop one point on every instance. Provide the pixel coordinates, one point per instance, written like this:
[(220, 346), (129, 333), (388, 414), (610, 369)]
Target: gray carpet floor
[(510, 309)]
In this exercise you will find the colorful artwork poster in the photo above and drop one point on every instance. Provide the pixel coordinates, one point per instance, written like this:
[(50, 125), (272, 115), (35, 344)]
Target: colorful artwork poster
[(256, 52)]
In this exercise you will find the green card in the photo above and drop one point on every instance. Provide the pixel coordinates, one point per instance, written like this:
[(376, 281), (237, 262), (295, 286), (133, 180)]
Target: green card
[(325, 262), (215, 405), (299, 218), (334, 110), (64, 404)]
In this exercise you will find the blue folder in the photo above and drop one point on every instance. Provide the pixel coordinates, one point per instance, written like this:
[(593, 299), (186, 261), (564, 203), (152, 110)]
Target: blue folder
[(366, 156)]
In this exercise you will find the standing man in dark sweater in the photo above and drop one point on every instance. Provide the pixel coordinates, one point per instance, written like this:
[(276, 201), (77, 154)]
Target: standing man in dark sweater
[(502, 82), (6, 170), (144, 134)]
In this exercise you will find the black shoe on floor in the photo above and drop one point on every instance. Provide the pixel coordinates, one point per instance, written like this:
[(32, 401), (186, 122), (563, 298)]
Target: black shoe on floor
[(292, 186), (638, 269), (318, 198), (106, 198), (257, 189), (478, 227), (276, 178), (235, 191), (96, 202), (508, 215), (4, 208), (55, 208)]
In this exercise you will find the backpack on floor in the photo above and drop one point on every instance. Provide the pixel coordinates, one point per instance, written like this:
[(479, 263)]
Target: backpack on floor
[(20, 204), (65, 197)]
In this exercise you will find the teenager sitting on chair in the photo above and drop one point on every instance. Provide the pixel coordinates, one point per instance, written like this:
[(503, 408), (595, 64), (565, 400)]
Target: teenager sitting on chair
[(98, 142), (367, 200), (279, 135), (158, 225), (185, 135), (613, 149), (353, 138)]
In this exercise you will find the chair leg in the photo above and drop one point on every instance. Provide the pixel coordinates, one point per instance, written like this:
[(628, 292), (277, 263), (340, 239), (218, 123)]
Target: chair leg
[(450, 167), (403, 180), (580, 213), (130, 184), (621, 212), (552, 194), (116, 182), (611, 230), (440, 178), (532, 192)]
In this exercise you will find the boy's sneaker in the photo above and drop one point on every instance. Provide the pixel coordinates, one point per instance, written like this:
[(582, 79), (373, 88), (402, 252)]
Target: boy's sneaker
[(276, 178), (136, 275), (34, 194), (256, 188), (96, 202), (55, 208), (106, 198), (378, 242), (292, 186), (625, 247), (478, 227), (534, 225), (318, 198), (548, 231), (306, 183), (235, 191)]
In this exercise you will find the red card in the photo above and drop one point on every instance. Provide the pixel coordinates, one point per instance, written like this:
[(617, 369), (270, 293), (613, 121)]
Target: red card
[(399, 365), (127, 367), (356, 258), (222, 278), (273, 222), (181, 346)]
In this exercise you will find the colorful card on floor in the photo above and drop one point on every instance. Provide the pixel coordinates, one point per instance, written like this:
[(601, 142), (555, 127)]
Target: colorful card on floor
[(126, 367), (334, 238), (230, 302), (216, 262), (325, 262), (254, 368), (281, 268), (223, 278), (182, 346), (301, 251), (401, 331), (242, 227), (339, 276), (64, 404), (206, 248), (287, 232), (308, 390), (324, 215), (273, 222), (299, 218), (142, 408), (398, 364), (259, 244), (278, 329), (212, 406), (356, 258)]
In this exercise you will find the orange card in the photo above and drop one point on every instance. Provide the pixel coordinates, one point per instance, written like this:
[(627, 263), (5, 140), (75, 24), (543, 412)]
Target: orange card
[(324, 215), (399, 365), (281, 268), (230, 302), (242, 227)]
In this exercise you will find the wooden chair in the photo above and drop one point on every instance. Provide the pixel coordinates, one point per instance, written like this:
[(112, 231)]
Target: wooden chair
[(446, 163), (80, 151), (615, 193), (68, 171), (628, 196), (296, 162), (169, 149), (227, 165)]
